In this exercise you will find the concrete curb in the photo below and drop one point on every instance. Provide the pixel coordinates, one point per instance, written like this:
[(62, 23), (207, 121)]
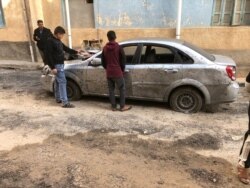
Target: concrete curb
[(20, 65)]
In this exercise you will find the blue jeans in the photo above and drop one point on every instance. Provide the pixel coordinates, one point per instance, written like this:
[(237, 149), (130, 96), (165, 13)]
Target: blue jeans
[(61, 84)]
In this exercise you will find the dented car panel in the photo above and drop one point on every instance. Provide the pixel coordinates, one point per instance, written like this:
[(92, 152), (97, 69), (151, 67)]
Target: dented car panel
[(151, 81), (155, 69)]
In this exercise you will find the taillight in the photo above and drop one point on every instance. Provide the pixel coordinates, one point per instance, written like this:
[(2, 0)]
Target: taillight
[(231, 72)]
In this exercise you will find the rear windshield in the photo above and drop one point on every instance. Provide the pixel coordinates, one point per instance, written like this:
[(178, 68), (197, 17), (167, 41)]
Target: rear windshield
[(200, 51)]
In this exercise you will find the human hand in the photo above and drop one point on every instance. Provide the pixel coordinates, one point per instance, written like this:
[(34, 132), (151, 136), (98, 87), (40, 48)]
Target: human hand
[(54, 71), (37, 38), (79, 51)]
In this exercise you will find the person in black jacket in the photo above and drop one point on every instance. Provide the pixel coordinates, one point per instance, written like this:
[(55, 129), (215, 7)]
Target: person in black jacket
[(55, 56), (244, 158), (41, 35)]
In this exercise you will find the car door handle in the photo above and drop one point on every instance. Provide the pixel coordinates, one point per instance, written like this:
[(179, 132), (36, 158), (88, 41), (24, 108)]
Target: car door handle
[(171, 70)]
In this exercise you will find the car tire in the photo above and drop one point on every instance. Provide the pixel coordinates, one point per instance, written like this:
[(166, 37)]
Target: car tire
[(186, 100), (73, 91)]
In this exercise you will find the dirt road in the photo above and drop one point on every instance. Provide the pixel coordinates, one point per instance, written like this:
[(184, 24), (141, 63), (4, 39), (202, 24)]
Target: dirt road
[(44, 145)]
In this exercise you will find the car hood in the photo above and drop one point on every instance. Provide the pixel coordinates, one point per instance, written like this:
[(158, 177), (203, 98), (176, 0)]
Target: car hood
[(224, 60), (75, 64)]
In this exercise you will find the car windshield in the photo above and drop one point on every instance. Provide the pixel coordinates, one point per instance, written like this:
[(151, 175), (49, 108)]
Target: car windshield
[(200, 51)]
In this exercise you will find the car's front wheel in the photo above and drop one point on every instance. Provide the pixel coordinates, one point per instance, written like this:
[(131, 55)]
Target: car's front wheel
[(186, 100), (73, 91)]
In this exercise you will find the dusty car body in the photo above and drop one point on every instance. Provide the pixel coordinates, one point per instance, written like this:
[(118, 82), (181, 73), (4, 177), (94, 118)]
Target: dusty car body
[(165, 70)]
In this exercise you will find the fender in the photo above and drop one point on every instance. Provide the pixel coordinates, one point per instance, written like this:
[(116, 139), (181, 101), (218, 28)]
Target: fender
[(73, 77), (188, 82)]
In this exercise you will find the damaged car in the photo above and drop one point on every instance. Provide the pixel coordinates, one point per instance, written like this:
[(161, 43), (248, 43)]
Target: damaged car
[(166, 70)]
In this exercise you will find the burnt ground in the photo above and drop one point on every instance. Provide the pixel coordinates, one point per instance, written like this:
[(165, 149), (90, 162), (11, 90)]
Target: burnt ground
[(43, 145)]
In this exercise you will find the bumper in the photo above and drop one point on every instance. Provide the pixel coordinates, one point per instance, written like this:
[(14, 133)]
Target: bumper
[(47, 82), (225, 94)]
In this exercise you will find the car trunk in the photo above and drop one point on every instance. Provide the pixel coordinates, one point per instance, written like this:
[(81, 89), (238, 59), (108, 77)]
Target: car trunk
[(223, 60)]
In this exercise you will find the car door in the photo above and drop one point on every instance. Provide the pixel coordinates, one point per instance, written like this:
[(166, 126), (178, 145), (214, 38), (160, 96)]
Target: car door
[(158, 67), (131, 52), (96, 82), (96, 74)]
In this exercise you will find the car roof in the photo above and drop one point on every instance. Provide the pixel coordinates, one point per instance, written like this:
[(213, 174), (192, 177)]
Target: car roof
[(153, 40)]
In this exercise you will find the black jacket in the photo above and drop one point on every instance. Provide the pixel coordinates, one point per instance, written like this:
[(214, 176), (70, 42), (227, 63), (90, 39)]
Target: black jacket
[(43, 36), (248, 78), (54, 52)]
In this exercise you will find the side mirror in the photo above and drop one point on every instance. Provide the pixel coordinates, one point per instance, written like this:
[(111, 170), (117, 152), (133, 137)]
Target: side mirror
[(96, 62)]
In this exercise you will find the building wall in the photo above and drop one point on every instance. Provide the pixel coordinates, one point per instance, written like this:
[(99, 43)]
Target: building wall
[(151, 13), (50, 11), (14, 29), (147, 23), (13, 35), (224, 38), (81, 14)]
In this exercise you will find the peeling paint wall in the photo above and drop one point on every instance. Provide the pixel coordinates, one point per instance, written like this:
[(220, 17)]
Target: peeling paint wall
[(151, 13)]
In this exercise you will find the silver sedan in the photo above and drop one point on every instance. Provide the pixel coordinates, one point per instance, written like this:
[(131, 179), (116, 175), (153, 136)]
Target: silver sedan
[(172, 71)]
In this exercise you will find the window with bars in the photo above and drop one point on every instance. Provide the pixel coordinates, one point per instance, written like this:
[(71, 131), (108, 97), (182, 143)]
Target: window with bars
[(231, 12), (2, 22)]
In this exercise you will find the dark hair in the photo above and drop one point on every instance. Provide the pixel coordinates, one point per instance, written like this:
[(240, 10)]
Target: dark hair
[(111, 35), (39, 21), (59, 30)]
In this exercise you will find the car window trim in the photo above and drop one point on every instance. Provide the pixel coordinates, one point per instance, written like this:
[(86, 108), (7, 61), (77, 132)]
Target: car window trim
[(171, 48), (136, 54)]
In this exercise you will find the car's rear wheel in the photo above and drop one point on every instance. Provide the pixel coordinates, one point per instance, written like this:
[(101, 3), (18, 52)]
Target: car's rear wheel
[(186, 100), (73, 91)]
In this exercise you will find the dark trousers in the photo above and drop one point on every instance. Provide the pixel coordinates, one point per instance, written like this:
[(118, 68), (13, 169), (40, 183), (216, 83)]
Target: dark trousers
[(245, 149), (42, 56), (120, 84)]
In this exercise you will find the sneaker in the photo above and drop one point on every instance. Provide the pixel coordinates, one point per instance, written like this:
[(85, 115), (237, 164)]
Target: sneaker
[(126, 108), (114, 109), (68, 105), (58, 101), (243, 174)]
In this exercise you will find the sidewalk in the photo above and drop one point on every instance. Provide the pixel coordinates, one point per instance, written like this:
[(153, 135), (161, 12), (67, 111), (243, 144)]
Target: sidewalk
[(21, 65)]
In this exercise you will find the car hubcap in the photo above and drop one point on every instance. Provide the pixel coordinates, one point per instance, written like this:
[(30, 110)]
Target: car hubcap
[(185, 101)]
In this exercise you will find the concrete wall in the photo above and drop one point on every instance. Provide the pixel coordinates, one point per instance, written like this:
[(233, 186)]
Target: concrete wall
[(13, 35), (81, 14), (223, 38), (14, 51), (151, 13), (1, 15), (14, 29), (50, 11)]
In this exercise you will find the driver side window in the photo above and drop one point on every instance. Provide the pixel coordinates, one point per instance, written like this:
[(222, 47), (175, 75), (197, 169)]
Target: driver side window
[(130, 52)]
